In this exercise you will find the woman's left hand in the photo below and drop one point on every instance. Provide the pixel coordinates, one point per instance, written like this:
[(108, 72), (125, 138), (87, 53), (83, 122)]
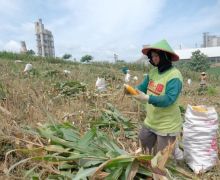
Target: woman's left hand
[(142, 97)]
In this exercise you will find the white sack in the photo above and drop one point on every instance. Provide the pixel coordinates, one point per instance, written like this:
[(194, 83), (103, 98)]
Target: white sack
[(28, 67), (200, 138), (100, 84)]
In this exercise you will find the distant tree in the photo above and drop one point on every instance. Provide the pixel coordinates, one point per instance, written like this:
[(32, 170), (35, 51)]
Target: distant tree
[(86, 58), (30, 52), (199, 62), (67, 56)]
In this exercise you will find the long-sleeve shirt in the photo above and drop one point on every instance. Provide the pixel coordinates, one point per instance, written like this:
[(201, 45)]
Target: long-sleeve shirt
[(163, 114), (172, 91)]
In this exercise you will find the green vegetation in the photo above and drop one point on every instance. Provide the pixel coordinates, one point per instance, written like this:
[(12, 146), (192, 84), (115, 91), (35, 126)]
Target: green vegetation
[(31, 57), (214, 71), (78, 156), (30, 52), (69, 88), (199, 62), (67, 56), (87, 58)]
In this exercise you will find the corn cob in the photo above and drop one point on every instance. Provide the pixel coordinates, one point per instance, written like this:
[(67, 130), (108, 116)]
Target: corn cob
[(131, 90)]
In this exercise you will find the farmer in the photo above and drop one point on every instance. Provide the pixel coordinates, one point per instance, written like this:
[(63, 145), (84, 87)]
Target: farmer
[(127, 77), (124, 70), (160, 91), (203, 78)]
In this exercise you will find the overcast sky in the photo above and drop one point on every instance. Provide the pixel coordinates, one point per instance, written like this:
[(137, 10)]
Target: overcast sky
[(104, 27)]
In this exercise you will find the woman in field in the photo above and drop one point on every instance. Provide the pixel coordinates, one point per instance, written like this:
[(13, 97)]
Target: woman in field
[(160, 91)]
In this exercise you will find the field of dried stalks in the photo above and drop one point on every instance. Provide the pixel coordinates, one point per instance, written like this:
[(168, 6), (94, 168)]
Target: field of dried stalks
[(46, 96)]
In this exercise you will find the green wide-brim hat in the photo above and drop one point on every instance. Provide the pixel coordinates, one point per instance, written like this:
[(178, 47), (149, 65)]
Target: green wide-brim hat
[(163, 46)]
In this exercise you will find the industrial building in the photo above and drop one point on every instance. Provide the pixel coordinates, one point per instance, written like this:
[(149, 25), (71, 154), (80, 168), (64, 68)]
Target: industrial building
[(213, 53), (210, 47), (23, 47), (210, 40), (45, 41)]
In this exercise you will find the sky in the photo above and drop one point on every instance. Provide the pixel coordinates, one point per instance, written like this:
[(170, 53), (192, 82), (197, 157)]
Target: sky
[(102, 28)]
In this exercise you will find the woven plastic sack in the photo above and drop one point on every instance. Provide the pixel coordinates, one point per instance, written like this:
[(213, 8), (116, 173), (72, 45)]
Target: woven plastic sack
[(200, 138), (127, 78), (100, 84), (28, 67)]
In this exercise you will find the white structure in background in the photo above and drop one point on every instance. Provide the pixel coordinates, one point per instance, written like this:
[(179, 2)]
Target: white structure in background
[(27, 68), (115, 57), (100, 84), (45, 41), (127, 76), (210, 47), (210, 40), (213, 53), (66, 72), (189, 82), (23, 47)]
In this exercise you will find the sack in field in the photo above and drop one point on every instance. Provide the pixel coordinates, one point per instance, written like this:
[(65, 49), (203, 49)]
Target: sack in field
[(200, 138), (100, 84)]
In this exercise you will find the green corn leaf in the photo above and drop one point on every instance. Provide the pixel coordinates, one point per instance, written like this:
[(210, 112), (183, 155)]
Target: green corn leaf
[(55, 139), (131, 170), (128, 169), (31, 171), (117, 149), (59, 158), (56, 148), (115, 174), (144, 171), (120, 160), (66, 175), (84, 173), (35, 177), (85, 140), (92, 162), (66, 166), (70, 135)]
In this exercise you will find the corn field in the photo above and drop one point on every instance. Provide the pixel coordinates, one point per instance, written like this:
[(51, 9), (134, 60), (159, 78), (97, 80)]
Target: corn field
[(57, 126)]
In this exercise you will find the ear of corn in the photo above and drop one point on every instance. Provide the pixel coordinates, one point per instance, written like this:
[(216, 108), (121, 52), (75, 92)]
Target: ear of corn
[(199, 108), (131, 90)]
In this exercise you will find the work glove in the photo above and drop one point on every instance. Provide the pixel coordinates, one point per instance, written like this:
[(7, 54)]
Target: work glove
[(142, 97)]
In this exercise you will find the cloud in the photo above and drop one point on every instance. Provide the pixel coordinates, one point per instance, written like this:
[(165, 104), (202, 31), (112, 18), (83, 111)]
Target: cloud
[(103, 26), (187, 30), (9, 7), (23, 32), (12, 46), (95, 27)]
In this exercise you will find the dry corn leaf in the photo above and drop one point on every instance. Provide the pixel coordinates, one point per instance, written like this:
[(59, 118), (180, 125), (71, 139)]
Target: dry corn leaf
[(100, 175), (29, 146), (159, 161), (17, 141), (133, 171)]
